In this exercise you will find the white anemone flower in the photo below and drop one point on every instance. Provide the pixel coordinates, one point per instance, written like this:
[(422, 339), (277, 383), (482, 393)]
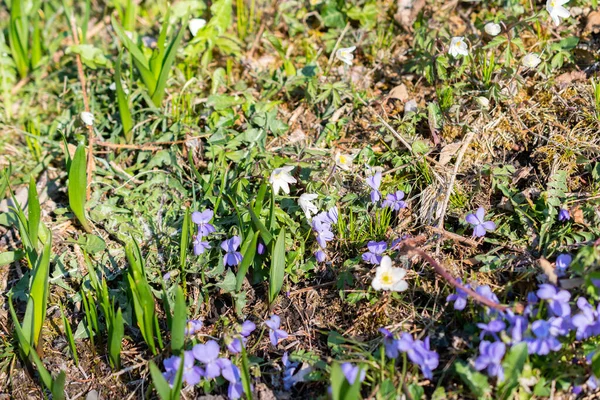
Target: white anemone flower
[(196, 24), (344, 161), (492, 28), (345, 54), (305, 202), (281, 178), (531, 60), (557, 11), (87, 118), (458, 47), (387, 277)]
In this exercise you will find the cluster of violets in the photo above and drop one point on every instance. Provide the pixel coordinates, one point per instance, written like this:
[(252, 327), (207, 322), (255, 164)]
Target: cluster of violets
[(322, 226), (230, 246), (204, 360), (547, 317), (418, 351), (395, 201)]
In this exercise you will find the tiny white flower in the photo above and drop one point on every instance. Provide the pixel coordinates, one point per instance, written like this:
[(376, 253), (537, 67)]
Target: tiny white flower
[(492, 29), (112, 86), (87, 118), (345, 54), (344, 161), (389, 278), (458, 46), (410, 106), (196, 24), (531, 60), (483, 102), (305, 202), (281, 178), (129, 34), (557, 11)]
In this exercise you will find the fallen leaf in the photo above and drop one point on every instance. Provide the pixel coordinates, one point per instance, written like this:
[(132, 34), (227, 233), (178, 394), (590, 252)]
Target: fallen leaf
[(548, 269), (448, 152), (407, 12), (577, 215), (565, 79), (593, 22), (399, 92)]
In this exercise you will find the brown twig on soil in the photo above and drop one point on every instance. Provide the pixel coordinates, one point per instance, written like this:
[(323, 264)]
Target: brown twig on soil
[(86, 105), (454, 236), (407, 245)]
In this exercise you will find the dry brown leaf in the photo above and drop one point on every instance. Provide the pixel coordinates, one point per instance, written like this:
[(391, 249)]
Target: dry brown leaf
[(407, 12), (448, 152), (565, 79), (577, 215), (399, 92), (548, 269), (593, 22)]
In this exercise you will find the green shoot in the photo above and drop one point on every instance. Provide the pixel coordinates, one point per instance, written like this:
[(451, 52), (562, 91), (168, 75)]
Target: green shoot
[(77, 186)]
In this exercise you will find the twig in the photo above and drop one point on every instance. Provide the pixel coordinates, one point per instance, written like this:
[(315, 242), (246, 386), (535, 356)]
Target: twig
[(124, 371), (86, 105), (408, 247), (459, 159), (454, 236), (332, 55)]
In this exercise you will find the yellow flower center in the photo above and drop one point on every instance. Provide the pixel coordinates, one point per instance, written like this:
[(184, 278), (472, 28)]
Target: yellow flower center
[(386, 278), (343, 160), (552, 4)]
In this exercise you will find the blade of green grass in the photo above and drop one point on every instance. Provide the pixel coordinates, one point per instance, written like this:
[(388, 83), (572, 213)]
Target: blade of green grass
[(248, 252), (160, 383), (38, 296), (34, 213), (264, 232), (184, 244), (69, 334), (168, 60), (277, 271), (178, 323), (123, 104), (115, 338), (77, 186)]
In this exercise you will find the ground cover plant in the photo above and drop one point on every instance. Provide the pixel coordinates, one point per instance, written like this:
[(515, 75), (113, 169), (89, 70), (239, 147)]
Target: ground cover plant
[(299, 199)]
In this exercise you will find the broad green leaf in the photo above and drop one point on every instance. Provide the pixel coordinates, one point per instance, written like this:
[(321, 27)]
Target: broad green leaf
[(178, 323), (160, 383), (477, 382), (115, 338), (277, 272), (264, 232), (91, 56), (9, 257), (77, 186), (123, 103), (34, 213), (221, 15), (513, 364), (248, 252), (58, 386)]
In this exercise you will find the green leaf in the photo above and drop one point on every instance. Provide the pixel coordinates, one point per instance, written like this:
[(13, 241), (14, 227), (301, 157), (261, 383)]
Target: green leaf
[(91, 56), (246, 374), (8, 257), (340, 388), (264, 232), (184, 243), (115, 338), (513, 364), (477, 382), (277, 272), (159, 91), (160, 383), (34, 213), (38, 297), (221, 15), (69, 334), (77, 186), (58, 386), (248, 253), (123, 103), (178, 323), (228, 283)]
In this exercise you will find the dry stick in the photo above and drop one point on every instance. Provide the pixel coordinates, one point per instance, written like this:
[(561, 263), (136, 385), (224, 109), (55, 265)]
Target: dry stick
[(337, 44), (86, 105), (406, 244), (459, 159)]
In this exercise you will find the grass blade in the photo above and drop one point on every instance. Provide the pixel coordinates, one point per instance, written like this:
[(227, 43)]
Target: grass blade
[(246, 375), (248, 253), (277, 272), (77, 186), (69, 334), (160, 383), (264, 232), (38, 296), (178, 323), (123, 103), (184, 244), (115, 337), (33, 207), (168, 60)]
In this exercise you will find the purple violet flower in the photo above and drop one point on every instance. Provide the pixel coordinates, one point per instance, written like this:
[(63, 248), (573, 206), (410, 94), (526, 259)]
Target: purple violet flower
[(322, 227), (374, 182), (544, 341), (232, 257), (235, 345), (419, 353), (394, 201), (275, 334), (564, 215), (375, 253), (351, 372), (390, 343), (202, 219), (480, 225), (171, 365), (288, 371), (493, 328), (332, 215), (208, 354), (517, 326), (562, 263), (192, 326), (200, 246), (459, 298), (586, 321), (320, 255), (558, 300), (191, 373), (490, 358), (260, 248), (247, 328)]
